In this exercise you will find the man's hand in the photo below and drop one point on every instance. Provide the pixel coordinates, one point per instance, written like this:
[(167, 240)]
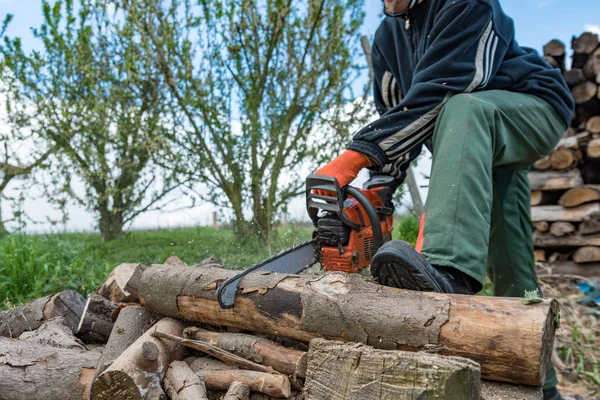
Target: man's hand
[(345, 168)]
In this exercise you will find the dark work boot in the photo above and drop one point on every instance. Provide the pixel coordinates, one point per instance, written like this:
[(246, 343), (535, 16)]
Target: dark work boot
[(398, 265), (552, 394)]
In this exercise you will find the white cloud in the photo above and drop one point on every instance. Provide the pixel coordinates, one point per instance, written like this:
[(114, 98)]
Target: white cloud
[(592, 28)]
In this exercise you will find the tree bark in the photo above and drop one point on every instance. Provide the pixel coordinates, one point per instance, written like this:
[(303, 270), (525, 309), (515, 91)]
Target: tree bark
[(34, 371), (562, 228), (254, 348), (128, 327), (545, 240), (270, 384), (181, 383), (558, 213), (237, 391), (54, 333), (141, 367), (68, 304), (96, 323), (559, 268), (587, 254), (555, 180), (122, 284), (343, 307), (580, 195), (338, 371)]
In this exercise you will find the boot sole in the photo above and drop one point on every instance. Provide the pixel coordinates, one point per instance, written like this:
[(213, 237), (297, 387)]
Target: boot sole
[(398, 265)]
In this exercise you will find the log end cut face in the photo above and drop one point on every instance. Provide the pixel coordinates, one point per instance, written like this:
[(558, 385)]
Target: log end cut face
[(115, 385)]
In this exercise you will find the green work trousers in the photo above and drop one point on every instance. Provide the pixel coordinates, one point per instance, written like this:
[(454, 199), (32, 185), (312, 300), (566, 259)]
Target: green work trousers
[(477, 214)]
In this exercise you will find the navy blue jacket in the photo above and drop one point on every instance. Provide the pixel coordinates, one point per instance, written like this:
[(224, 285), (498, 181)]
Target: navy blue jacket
[(439, 48)]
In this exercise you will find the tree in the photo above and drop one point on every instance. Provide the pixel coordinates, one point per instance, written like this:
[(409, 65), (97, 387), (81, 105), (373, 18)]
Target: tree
[(90, 94), (260, 90)]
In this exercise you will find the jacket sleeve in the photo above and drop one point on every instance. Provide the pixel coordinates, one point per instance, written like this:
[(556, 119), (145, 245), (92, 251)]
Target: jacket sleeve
[(463, 52)]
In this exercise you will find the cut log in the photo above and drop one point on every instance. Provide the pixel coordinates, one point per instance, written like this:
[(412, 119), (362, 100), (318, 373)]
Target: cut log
[(562, 228), (580, 195), (68, 304), (584, 92), (141, 367), (593, 148), (542, 226), (591, 69), (270, 384), (96, 323), (593, 125), (128, 327), (214, 351), (542, 164), (54, 333), (356, 310), (34, 371), (543, 198), (547, 241), (352, 371), (587, 254), (504, 391), (570, 268), (238, 391), (574, 77), (558, 213), (555, 180), (122, 284), (259, 350), (563, 159), (590, 225), (554, 53), (539, 255), (587, 43), (181, 383)]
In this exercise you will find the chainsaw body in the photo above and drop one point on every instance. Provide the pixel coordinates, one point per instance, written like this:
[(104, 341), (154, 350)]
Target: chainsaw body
[(350, 224)]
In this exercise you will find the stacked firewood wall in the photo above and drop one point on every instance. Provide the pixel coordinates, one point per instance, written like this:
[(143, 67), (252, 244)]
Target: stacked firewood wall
[(565, 185)]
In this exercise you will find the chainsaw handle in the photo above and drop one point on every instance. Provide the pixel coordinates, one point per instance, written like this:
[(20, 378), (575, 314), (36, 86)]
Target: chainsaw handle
[(336, 204), (371, 213)]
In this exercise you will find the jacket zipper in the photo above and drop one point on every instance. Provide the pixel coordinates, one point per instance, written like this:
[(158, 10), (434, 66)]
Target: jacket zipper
[(413, 38)]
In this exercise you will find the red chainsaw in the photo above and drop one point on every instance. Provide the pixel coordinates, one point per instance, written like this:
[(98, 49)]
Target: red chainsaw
[(351, 224)]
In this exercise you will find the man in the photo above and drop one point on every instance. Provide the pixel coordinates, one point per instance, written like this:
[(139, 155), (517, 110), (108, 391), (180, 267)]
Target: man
[(450, 74)]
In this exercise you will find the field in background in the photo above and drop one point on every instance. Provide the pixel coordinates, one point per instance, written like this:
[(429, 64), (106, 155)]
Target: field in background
[(35, 266)]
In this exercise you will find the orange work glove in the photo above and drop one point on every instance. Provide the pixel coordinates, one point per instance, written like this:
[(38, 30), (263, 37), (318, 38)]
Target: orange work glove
[(345, 168)]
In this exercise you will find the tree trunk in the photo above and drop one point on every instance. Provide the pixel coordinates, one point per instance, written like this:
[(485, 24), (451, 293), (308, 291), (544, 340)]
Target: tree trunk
[(54, 333), (33, 371), (555, 180), (141, 367), (558, 213), (338, 371), (254, 348), (342, 307), (181, 383), (27, 317), (128, 327), (270, 384), (111, 224)]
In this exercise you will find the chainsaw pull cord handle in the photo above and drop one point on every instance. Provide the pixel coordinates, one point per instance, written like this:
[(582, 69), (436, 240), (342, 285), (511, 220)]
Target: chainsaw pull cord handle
[(371, 213)]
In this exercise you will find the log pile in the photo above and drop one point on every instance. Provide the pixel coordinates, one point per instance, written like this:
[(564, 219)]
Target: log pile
[(565, 185), (330, 336)]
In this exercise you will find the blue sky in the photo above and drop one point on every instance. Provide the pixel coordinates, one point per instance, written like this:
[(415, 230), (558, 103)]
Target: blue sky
[(536, 21)]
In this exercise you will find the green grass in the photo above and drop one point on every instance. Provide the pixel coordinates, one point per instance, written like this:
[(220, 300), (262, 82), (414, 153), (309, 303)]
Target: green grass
[(35, 266)]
